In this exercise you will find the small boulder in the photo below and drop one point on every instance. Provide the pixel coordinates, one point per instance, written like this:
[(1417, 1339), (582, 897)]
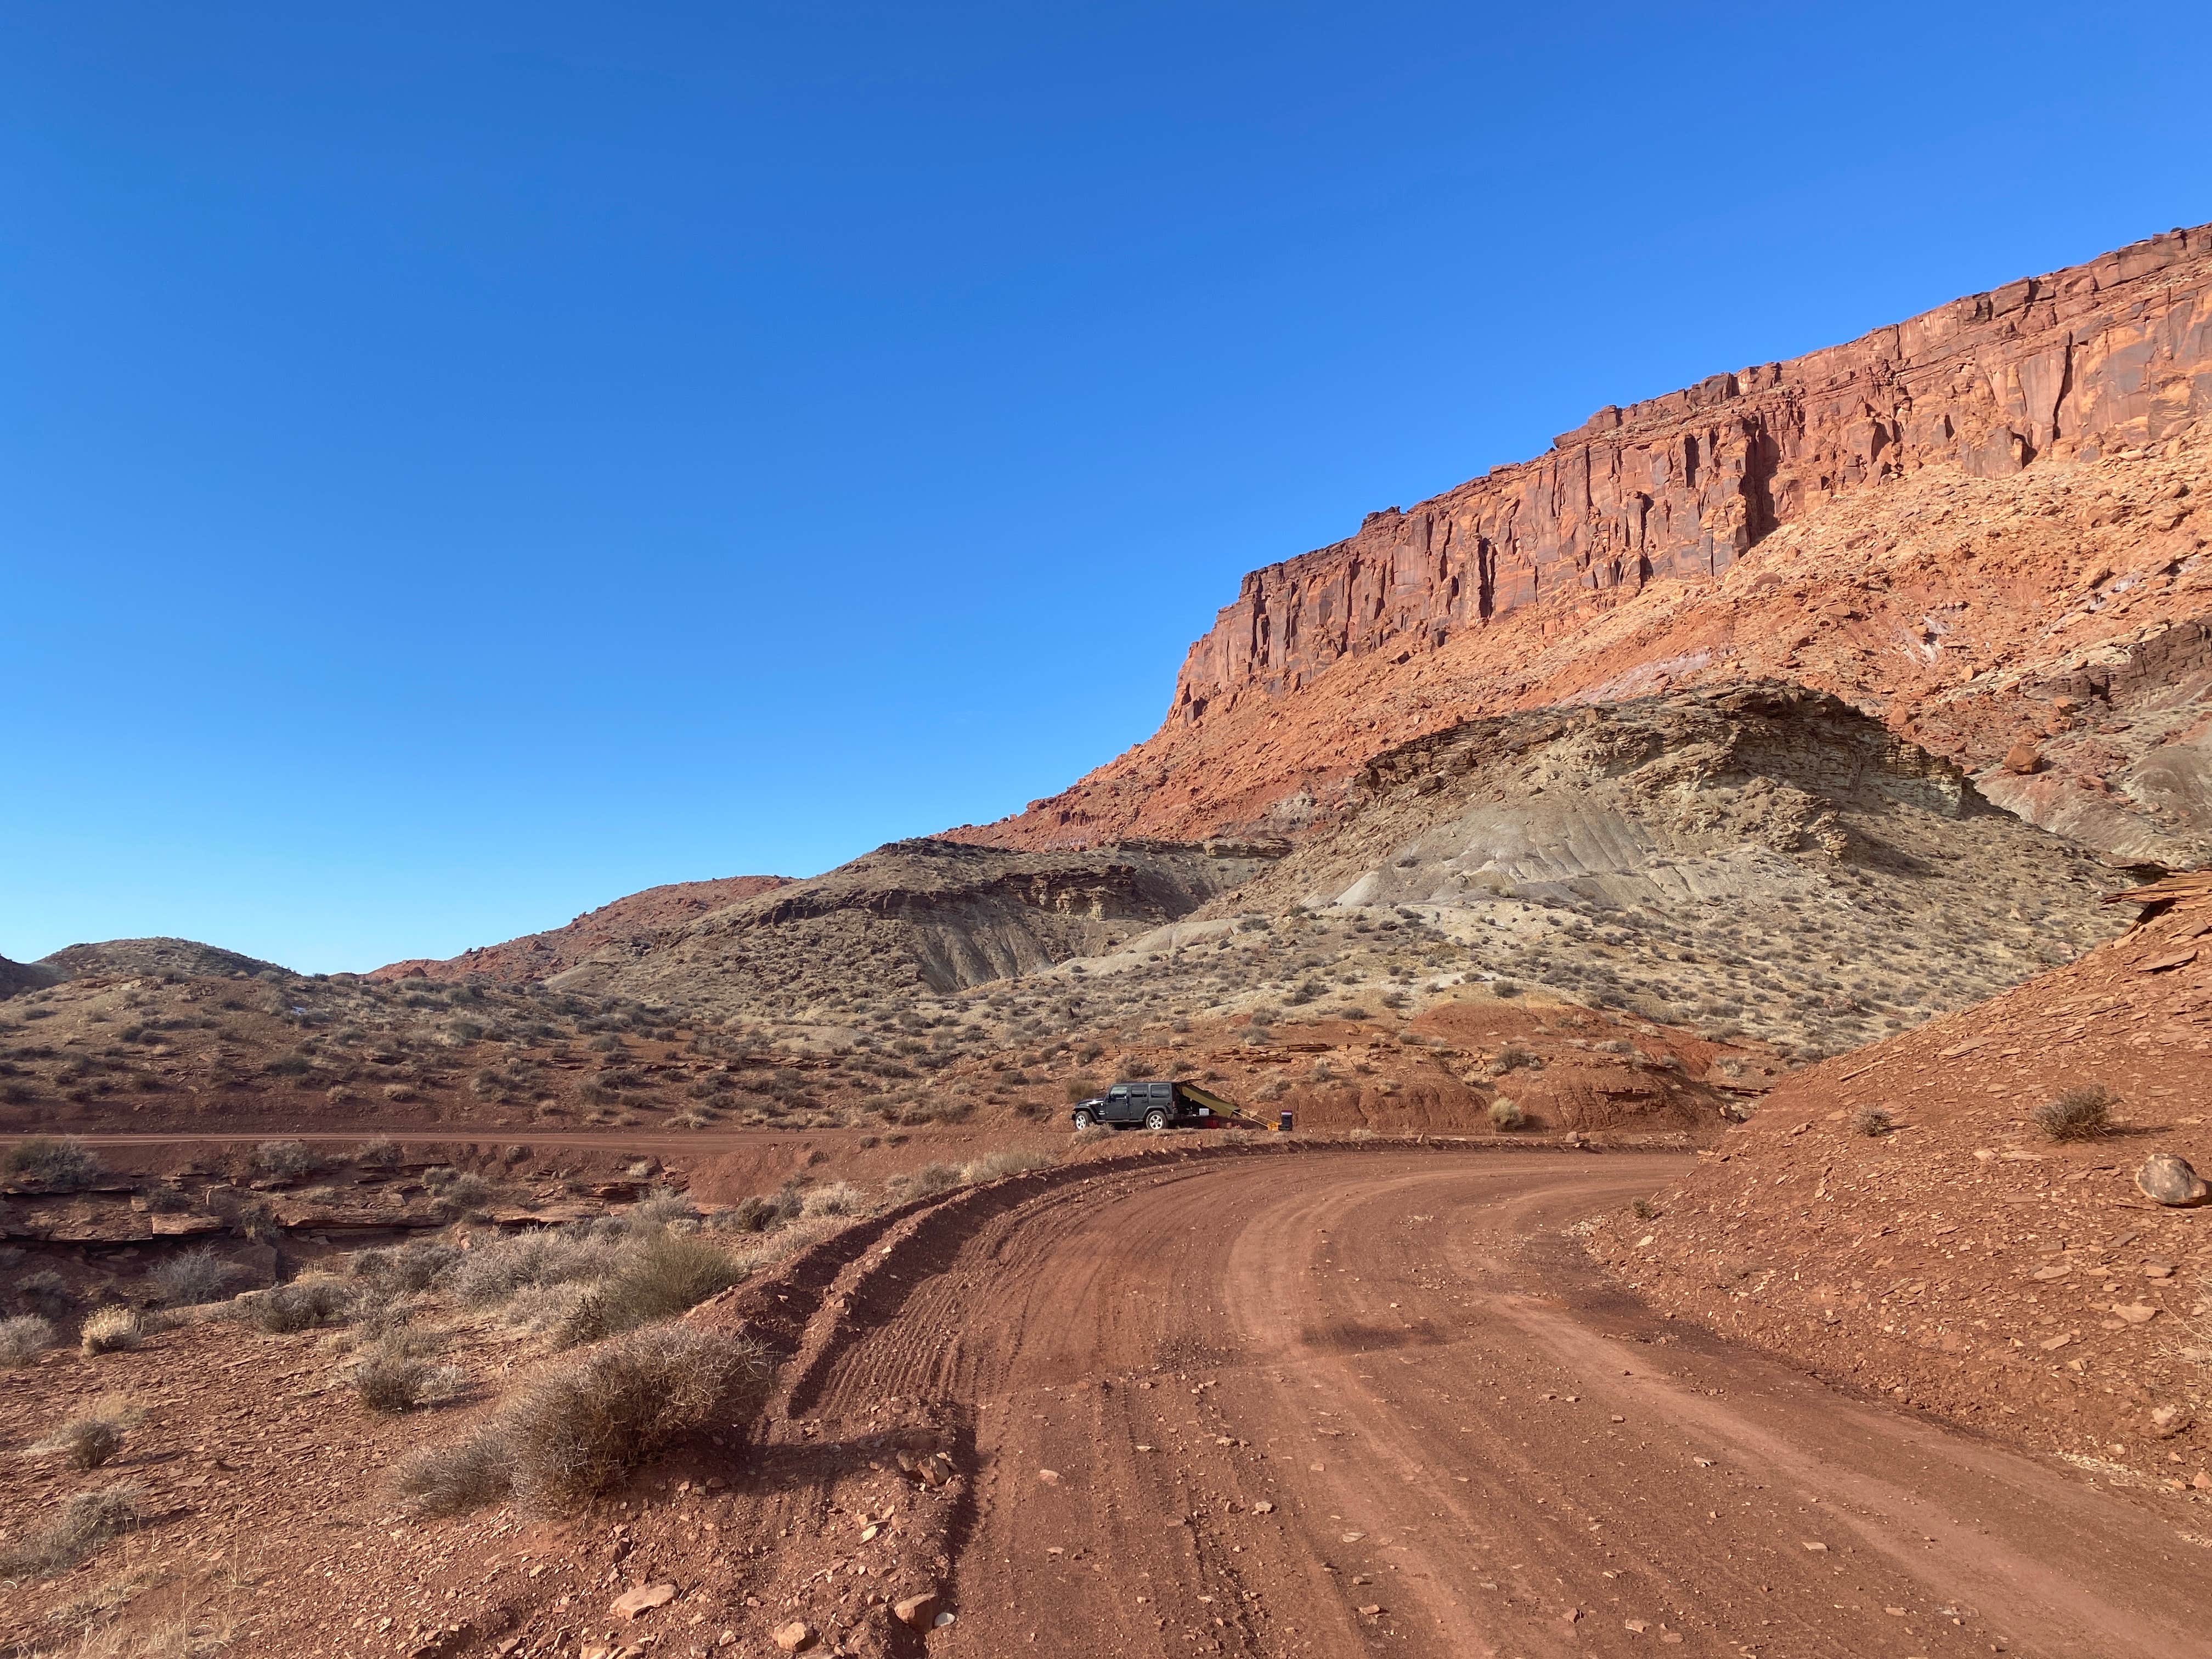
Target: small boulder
[(915, 1609), (636, 1603), (2170, 1181), (794, 1637), (2024, 758), (2167, 1421)]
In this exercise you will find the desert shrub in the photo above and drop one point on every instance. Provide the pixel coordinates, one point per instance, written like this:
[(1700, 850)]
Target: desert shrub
[(658, 1210), (393, 1376), (656, 1277), (1363, 1133), (94, 1435), (2080, 1114), (1643, 1209), (1506, 1114), (284, 1160), (406, 1268), (494, 1273), (838, 1198), (86, 1521), (300, 1306), (926, 1181), (580, 1428), (756, 1214), (108, 1329), (1011, 1161), (377, 1154), (458, 1190), (24, 1338), (59, 1161), (1512, 1058), (195, 1277), (1873, 1121), (464, 1474), (1096, 1131), (1078, 1089)]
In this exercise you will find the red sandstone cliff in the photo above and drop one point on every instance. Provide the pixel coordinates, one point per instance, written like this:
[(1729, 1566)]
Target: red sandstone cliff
[(1621, 554)]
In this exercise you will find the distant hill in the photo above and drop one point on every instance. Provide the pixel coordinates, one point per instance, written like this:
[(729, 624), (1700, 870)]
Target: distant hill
[(16, 977), (185, 957), (636, 921)]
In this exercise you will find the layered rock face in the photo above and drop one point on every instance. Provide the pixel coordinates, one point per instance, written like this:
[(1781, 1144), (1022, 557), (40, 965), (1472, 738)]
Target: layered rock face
[(909, 917), (2115, 352), (1991, 528)]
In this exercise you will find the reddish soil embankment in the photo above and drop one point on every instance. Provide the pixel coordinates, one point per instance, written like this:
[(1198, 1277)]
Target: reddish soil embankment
[(1965, 1262)]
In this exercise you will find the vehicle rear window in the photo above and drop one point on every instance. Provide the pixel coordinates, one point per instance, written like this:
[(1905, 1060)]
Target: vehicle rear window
[(1162, 1090)]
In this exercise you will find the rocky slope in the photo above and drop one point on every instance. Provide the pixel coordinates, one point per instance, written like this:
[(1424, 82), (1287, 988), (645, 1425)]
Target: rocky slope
[(632, 923), (1963, 1261), (1763, 859), (916, 916), (1983, 525), (16, 977)]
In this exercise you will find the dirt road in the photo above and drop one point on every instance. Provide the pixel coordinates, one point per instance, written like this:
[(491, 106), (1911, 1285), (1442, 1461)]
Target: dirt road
[(1367, 1400)]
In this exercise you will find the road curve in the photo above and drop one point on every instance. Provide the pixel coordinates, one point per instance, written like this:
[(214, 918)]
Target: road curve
[(1366, 1400)]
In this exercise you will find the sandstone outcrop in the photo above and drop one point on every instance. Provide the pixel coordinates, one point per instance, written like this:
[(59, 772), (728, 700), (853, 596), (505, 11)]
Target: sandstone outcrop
[(1985, 526), (2114, 354)]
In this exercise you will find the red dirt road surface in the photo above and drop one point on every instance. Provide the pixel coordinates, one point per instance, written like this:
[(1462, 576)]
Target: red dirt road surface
[(1470, 1445), (1271, 1399)]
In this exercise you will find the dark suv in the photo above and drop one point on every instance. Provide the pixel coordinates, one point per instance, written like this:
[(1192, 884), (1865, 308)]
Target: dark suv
[(1155, 1105)]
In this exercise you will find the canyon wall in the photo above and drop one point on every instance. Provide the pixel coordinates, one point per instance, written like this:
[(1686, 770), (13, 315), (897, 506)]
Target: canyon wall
[(2116, 353)]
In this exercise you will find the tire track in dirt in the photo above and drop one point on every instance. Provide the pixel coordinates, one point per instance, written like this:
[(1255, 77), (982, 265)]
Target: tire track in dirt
[(1344, 1400)]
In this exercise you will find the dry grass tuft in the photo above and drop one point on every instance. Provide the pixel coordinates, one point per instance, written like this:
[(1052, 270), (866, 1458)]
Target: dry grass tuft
[(107, 1329), (96, 1435), (2080, 1113), (1873, 1123), (86, 1521), (1506, 1114)]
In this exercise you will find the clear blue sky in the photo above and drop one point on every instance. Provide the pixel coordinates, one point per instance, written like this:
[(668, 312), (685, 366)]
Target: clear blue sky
[(462, 462)]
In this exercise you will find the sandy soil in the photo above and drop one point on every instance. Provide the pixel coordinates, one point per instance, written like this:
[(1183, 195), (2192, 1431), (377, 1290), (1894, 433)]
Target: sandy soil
[(1257, 1401)]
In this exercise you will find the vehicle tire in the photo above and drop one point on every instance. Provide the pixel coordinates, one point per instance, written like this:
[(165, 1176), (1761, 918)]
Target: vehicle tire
[(1083, 1119), (1156, 1119)]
